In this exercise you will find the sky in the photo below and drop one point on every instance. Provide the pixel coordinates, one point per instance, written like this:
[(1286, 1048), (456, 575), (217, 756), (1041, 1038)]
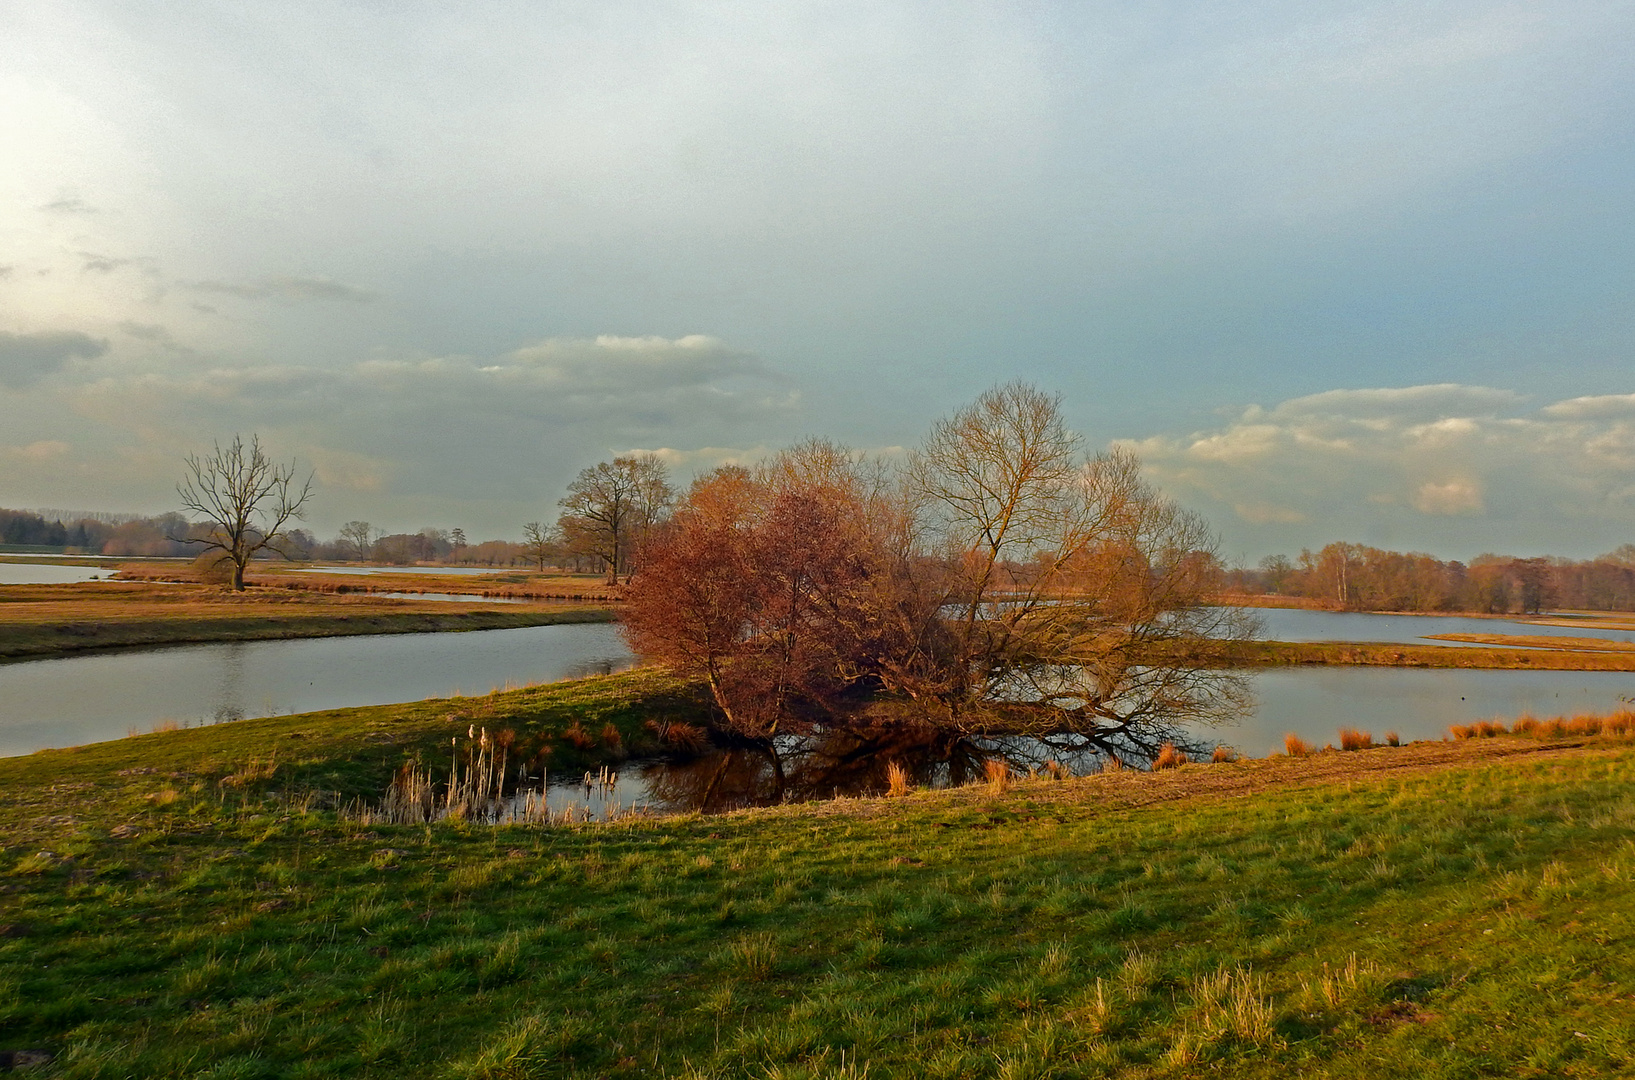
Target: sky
[(1360, 271)]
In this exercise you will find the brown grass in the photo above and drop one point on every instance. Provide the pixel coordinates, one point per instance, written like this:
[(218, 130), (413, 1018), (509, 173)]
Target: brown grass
[(997, 774), (1352, 739), (1223, 754), (896, 780), (1620, 724), (1295, 746), (577, 737), (1393, 739), (42, 620), (1169, 757)]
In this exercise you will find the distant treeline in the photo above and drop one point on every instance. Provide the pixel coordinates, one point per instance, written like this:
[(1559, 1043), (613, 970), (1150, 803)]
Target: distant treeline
[(1355, 577), (165, 534)]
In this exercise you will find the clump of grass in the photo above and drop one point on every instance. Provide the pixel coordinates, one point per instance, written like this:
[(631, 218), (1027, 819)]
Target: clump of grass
[(896, 780), (680, 736), (1223, 754), (254, 771), (1481, 729), (611, 737), (1352, 739), (1055, 770), (997, 774), (577, 737), (1393, 739), (1335, 987), (1295, 746), (753, 956), (1168, 757), (1111, 764)]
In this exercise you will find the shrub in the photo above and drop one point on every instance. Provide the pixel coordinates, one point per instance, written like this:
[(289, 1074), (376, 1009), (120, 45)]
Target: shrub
[(1223, 754)]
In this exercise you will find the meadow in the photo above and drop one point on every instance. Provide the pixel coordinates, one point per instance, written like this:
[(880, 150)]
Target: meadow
[(206, 902)]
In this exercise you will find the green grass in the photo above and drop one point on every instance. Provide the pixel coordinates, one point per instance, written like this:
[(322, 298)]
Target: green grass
[(171, 912)]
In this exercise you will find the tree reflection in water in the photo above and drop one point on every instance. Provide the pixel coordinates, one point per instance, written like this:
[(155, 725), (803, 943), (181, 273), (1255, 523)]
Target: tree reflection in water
[(841, 762)]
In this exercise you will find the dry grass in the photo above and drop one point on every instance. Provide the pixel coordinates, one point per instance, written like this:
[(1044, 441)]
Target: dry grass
[(1223, 754), (1393, 739), (1620, 724), (896, 780), (1295, 746), (1352, 739), (997, 774), (42, 620), (1169, 757)]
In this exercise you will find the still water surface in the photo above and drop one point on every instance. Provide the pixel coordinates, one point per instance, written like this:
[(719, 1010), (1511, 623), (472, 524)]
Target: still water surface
[(64, 702), (51, 573), (80, 699)]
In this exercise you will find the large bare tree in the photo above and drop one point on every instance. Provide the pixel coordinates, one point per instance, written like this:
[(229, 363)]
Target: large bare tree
[(245, 498), (1077, 600), (611, 505)]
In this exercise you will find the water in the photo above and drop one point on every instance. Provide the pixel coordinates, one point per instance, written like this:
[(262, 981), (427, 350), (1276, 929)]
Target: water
[(51, 573), (1300, 624), (80, 699)]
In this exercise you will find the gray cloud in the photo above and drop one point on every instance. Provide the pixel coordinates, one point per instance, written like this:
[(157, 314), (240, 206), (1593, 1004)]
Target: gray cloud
[(69, 206), (288, 288), (102, 264), (27, 358)]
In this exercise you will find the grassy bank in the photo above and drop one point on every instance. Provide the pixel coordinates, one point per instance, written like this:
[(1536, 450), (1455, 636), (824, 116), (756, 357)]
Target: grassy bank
[(177, 904), (499, 583), (46, 620), (1382, 654)]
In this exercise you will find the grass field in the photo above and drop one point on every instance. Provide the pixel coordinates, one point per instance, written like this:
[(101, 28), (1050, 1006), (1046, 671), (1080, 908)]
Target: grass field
[(183, 904), (45, 620)]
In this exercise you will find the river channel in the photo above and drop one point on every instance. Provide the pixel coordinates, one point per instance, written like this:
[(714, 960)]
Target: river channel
[(89, 698)]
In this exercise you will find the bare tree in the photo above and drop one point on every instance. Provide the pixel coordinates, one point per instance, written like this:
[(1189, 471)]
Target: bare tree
[(610, 506), (246, 498), (537, 543), (360, 537), (1076, 600)]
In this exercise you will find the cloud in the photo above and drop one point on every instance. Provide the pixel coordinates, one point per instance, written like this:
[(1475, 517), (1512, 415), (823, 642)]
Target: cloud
[(1405, 462), (102, 264), (27, 358), (37, 452), (69, 206), (288, 288), (441, 430)]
